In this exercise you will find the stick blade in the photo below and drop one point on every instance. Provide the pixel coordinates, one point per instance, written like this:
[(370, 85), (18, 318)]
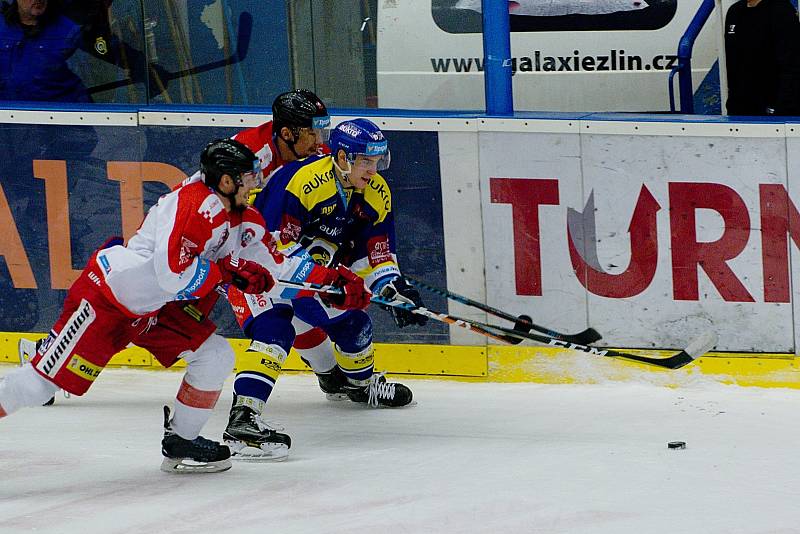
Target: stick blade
[(699, 346), (702, 344), (588, 336)]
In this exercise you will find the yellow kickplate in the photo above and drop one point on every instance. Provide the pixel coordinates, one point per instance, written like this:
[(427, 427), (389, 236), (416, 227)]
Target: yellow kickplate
[(554, 365), (526, 363), (132, 356)]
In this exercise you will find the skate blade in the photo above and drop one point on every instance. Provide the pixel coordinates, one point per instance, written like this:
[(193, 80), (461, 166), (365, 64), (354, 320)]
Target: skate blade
[(336, 397), (267, 452), (185, 465), (387, 407)]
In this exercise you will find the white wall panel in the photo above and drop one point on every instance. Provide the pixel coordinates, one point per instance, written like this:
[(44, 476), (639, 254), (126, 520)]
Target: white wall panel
[(614, 168), (532, 157), (463, 227)]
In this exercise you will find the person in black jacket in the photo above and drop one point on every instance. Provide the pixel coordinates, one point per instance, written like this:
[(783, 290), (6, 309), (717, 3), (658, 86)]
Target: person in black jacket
[(762, 45)]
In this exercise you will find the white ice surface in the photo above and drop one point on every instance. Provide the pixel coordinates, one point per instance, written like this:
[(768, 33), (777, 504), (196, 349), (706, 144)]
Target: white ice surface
[(468, 458)]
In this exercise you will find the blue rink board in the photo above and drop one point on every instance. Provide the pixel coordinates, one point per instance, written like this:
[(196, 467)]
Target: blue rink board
[(94, 203)]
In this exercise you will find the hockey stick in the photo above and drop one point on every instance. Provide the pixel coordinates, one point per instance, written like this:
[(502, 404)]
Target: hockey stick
[(242, 46), (694, 350), (464, 323), (522, 323)]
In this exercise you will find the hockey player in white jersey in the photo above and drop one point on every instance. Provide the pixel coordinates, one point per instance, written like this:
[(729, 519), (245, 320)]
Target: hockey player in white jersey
[(156, 293)]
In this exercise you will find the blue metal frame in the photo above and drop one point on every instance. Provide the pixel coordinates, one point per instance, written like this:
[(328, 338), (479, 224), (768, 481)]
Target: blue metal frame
[(684, 68), (497, 58)]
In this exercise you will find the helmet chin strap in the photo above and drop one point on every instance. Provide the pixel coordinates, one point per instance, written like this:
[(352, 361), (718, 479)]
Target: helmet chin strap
[(232, 196), (345, 173), (290, 144)]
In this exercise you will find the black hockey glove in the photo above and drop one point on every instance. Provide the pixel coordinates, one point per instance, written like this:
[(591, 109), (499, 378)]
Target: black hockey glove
[(398, 290)]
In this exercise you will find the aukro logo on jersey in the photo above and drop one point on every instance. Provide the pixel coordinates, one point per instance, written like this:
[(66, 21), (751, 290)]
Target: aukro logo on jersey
[(331, 231), (382, 191), (54, 358), (317, 181)]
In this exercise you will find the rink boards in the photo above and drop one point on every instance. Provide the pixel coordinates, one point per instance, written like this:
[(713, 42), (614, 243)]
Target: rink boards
[(651, 231)]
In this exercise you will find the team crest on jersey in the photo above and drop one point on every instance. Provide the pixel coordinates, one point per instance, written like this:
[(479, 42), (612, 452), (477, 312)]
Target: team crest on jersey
[(379, 250), (247, 236), (186, 255), (224, 237), (290, 229)]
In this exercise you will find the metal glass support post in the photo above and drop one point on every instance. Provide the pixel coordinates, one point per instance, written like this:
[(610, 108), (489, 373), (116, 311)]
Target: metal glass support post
[(497, 57), (684, 68)]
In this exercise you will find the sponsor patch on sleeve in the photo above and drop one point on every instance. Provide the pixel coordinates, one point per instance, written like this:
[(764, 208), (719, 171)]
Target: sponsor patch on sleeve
[(378, 250)]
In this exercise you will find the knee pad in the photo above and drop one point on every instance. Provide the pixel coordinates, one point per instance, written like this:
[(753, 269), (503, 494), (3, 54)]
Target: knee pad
[(316, 349), (209, 365), (356, 366), (24, 387), (273, 327), (351, 332)]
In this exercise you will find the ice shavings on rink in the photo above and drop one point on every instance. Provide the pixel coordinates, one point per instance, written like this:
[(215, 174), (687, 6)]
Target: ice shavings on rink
[(470, 457)]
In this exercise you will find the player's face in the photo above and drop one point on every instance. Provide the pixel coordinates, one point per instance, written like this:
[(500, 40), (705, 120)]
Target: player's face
[(249, 180), (308, 142), (363, 169)]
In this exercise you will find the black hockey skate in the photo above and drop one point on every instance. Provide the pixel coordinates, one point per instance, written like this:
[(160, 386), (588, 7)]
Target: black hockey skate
[(199, 455), (333, 384), (250, 438), (380, 393)]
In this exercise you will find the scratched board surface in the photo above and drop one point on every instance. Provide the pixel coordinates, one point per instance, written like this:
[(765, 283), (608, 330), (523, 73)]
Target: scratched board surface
[(65, 189), (649, 239)]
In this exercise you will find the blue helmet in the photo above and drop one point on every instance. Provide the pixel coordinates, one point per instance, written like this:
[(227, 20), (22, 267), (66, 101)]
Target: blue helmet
[(360, 136)]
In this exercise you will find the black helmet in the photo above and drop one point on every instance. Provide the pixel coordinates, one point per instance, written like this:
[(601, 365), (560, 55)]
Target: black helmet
[(298, 109), (226, 156)]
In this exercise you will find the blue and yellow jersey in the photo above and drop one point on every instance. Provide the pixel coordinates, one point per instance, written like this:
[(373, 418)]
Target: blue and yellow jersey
[(310, 216)]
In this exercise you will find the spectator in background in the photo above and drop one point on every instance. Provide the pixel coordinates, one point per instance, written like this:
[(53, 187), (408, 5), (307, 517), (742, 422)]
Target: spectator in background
[(37, 38), (762, 47)]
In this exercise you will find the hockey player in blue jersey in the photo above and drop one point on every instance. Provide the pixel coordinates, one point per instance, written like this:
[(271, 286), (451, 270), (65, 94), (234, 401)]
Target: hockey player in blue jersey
[(337, 210)]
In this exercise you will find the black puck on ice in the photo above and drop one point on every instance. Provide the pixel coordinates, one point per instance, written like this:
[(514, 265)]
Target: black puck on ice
[(676, 445)]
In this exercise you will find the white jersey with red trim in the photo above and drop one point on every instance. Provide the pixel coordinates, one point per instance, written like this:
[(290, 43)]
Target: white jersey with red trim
[(173, 254), (259, 140)]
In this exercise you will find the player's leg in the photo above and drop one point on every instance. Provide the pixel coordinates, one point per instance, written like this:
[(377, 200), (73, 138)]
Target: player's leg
[(26, 350), (24, 387), (351, 334), (269, 326), (87, 333), (316, 350), (184, 331), (182, 446)]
